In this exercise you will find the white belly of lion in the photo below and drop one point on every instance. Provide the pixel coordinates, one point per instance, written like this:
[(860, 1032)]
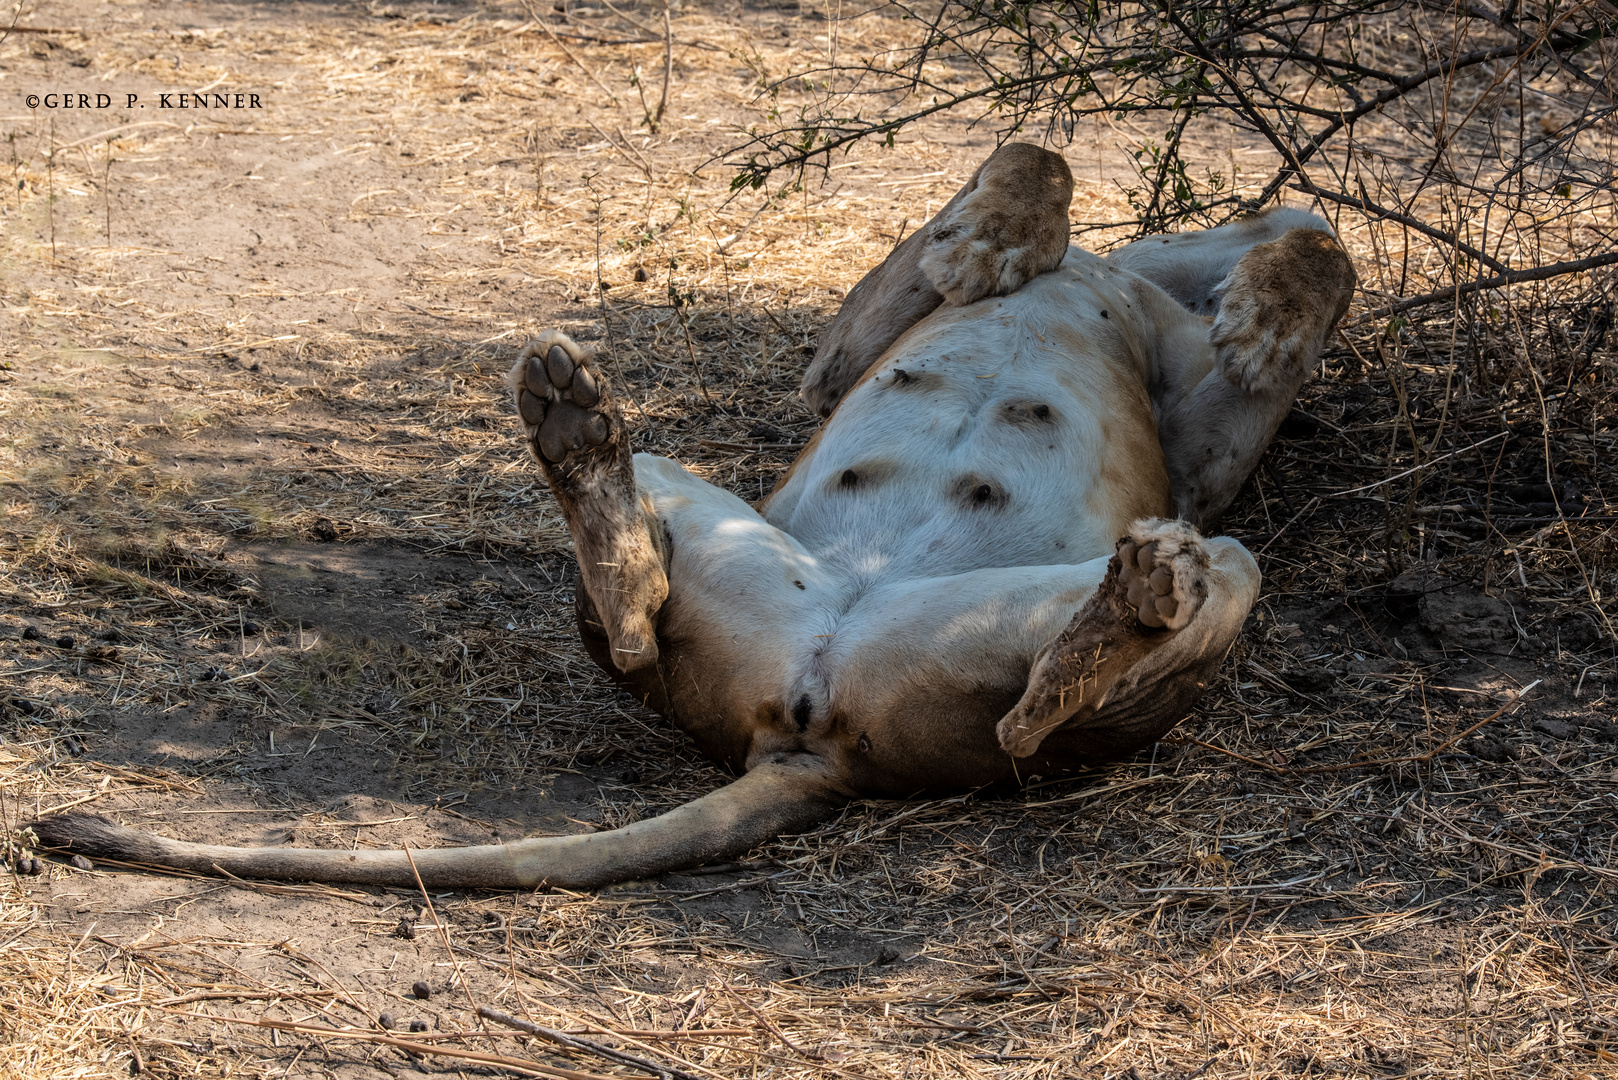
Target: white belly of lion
[(1016, 431)]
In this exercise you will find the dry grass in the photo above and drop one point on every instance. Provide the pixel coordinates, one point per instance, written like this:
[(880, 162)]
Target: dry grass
[(1325, 870)]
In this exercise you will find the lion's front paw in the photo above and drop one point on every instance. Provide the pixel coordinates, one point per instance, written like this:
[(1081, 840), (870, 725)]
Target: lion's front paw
[(986, 251), (560, 398), (1008, 226), (1276, 308), (1162, 572), (1259, 348)]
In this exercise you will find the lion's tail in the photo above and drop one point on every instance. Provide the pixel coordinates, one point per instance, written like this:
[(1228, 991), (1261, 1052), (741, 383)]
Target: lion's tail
[(773, 798)]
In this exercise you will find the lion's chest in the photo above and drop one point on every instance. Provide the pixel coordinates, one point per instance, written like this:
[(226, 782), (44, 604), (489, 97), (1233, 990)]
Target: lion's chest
[(1012, 432)]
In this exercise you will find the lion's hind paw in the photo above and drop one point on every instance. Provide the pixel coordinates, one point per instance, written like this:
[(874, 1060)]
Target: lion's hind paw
[(559, 397), (1162, 568)]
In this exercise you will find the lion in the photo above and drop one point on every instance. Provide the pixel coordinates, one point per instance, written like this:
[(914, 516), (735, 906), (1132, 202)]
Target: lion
[(988, 563)]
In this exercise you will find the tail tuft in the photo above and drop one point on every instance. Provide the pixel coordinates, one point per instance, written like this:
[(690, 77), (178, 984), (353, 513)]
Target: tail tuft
[(96, 837)]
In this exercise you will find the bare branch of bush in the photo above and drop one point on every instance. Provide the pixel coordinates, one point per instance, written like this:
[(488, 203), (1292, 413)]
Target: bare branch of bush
[(1485, 130)]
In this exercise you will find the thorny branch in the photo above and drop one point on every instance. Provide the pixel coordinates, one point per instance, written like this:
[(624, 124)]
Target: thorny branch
[(1371, 106)]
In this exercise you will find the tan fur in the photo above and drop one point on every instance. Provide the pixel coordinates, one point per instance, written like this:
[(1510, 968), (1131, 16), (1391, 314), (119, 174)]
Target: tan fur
[(1282, 300), (1008, 229), (1106, 641), (777, 796)]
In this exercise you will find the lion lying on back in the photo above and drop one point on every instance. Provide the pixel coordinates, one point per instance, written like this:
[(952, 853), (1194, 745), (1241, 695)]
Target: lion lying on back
[(986, 564)]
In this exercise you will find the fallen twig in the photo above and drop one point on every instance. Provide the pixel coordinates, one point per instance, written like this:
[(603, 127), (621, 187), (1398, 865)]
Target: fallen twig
[(1544, 859), (770, 1025), (579, 63), (443, 935), (1418, 468), (530, 1068), (562, 1038)]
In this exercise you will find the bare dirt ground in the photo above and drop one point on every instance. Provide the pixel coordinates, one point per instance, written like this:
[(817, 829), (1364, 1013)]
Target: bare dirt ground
[(276, 570)]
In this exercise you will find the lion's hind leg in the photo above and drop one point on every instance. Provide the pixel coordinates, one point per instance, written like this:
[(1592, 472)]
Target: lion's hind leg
[(1139, 652), (577, 435)]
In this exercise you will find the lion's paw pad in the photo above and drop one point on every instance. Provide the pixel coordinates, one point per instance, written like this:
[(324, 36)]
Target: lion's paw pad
[(559, 398), (1162, 576)]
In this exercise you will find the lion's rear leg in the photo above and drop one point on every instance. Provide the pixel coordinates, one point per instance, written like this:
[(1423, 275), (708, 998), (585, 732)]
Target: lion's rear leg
[(1138, 654), (577, 435)]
